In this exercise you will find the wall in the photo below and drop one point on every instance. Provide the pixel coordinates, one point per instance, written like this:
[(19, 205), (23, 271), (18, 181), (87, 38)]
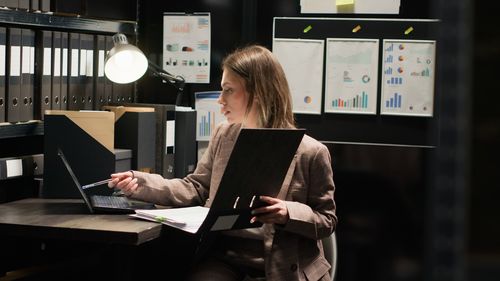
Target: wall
[(406, 212)]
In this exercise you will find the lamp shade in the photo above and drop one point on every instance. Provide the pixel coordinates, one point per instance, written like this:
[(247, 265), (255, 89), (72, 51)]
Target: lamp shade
[(125, 63)]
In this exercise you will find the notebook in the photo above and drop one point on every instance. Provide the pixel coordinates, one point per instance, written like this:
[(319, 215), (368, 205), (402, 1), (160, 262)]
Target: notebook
[(258, 165), (105, 203)]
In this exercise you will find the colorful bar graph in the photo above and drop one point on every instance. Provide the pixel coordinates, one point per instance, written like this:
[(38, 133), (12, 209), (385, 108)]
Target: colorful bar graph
[(395, 81), (358, 102), (207, 124)]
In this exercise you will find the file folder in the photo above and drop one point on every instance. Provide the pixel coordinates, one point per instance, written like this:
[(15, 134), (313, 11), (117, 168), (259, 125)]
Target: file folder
[(26, 104), (64, 70), (14, 75), (56, 70), (3, 59), (44, 99), (87, 69), (100, 93), (74, 89), (108, 85)]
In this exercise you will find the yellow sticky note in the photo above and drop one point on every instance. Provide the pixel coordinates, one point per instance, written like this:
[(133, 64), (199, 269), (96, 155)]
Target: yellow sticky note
[(345, 2)]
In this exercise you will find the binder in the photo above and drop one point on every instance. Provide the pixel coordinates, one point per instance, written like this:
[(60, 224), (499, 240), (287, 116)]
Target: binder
[(74, 89), (185, 154), (56, 70), (44, 5), (44, 57), (3, 58), (22, 166), (27, 86), (259, 164), (87, 76), (109, 87), (14, 75), (64, 70), (34, 5), (100, 93), (24, 5)]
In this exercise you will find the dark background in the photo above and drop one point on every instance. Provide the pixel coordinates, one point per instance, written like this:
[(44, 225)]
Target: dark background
[(407, 211)]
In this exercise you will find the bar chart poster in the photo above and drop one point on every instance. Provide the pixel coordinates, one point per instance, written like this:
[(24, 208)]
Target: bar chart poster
[(302, 61), (208, 114), (351, 75), (408, 76)]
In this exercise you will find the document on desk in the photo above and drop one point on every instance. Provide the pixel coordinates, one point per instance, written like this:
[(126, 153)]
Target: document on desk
[(188, 219)]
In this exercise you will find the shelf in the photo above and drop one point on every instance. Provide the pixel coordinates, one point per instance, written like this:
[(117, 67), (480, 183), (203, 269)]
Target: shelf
[(66, 22), (26, 129)]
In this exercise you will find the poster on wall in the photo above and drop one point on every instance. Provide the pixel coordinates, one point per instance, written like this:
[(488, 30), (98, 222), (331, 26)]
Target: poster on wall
[(351, 75), (186, 46), (408, 73), (302, 61)]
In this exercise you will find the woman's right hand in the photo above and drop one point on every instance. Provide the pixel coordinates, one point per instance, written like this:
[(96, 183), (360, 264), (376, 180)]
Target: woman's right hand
[(124, 181)]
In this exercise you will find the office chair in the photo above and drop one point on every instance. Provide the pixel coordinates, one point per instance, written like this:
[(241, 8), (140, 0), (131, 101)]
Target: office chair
[(330, 249)]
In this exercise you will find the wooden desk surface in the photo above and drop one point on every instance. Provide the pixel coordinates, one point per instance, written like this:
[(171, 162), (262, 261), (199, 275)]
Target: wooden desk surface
[(69, 219)]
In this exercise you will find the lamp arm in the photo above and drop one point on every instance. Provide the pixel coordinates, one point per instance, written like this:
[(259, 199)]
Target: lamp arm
[(178, 81)]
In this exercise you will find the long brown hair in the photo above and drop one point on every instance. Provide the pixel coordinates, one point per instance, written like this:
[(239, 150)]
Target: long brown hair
[(266, 84)]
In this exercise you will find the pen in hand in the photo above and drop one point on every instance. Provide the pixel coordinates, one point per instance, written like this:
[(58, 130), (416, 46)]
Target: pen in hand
[(96, 183)]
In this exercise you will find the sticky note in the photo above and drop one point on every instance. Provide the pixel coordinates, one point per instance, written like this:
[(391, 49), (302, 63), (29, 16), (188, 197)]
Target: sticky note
[(345, 2)]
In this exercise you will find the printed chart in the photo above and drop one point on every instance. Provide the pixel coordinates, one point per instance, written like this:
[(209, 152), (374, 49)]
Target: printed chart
[(351, 75), (408, 77)]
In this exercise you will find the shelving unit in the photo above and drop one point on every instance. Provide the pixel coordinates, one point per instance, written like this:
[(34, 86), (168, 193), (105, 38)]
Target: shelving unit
[(65, 22), (50, 21)]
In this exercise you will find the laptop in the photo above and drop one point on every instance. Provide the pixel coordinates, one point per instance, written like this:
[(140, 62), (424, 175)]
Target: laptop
[(105, 203)]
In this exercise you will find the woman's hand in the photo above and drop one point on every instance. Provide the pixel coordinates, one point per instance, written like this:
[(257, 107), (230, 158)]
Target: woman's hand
[(275, 211), (124, 181)]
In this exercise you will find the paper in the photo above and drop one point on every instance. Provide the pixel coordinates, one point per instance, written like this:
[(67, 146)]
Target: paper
[(351, 75), (188, 219), (302, 61), (186, 46), (408, 71)]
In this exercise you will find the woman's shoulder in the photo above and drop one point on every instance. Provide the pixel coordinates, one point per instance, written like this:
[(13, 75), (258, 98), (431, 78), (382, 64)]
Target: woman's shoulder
[(311, 146)]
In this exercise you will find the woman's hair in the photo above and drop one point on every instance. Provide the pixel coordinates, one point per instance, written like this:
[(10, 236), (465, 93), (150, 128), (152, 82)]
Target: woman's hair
[(265, 83)]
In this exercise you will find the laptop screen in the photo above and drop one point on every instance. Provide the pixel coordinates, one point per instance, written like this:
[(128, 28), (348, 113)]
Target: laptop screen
[(75, 180)]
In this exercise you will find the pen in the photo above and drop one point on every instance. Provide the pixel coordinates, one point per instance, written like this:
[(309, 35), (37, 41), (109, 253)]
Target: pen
[(96, 183), (164, 219)]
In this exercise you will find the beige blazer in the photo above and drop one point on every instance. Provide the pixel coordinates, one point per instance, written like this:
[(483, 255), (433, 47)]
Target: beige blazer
[(293, 251)]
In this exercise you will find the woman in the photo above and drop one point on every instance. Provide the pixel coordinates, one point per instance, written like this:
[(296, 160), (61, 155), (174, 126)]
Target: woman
[(288, 246)]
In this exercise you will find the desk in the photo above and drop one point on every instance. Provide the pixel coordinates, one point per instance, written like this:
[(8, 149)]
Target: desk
[(69, 219), (71, 237)]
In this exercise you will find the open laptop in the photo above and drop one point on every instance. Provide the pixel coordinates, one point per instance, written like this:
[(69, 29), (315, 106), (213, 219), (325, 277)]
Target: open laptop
[(105, 203)]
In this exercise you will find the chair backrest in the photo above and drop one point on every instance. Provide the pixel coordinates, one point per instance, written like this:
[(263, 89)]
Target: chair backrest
[(330, 249)]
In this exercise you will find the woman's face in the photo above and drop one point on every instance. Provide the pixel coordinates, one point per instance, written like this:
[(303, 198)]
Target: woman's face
[(234, 99)]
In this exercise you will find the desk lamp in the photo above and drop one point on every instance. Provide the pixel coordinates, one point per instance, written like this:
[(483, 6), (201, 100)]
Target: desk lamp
[(125, 63)]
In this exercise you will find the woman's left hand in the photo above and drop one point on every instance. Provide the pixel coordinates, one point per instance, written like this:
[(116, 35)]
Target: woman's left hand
[(275, 211)]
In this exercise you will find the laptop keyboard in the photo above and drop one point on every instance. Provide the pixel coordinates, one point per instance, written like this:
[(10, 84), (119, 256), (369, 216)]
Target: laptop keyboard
[(110, 201)]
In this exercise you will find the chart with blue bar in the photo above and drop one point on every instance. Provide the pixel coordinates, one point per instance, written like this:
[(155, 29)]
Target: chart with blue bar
[(351, 76), (208, 114), (408, 70)]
